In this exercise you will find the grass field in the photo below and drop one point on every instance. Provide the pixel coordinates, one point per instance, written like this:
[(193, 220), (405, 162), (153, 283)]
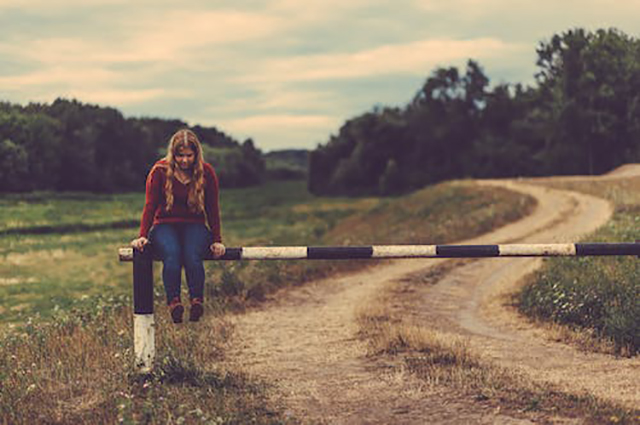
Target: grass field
[(75, 256), (74, 362)]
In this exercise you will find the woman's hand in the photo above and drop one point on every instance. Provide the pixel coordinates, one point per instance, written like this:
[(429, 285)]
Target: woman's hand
[(217, 249), (139, 243)]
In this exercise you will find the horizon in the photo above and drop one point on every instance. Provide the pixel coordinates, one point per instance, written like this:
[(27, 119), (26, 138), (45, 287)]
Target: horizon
[(284, 74)]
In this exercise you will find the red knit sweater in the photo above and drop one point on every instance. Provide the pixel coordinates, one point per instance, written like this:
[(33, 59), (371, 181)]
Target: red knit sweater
[(155, 204)]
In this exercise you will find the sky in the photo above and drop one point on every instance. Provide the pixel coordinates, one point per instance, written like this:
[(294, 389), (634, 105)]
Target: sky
[(286, 73)]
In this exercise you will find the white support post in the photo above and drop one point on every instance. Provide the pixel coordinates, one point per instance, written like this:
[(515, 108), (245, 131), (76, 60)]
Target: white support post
[(144, 341)]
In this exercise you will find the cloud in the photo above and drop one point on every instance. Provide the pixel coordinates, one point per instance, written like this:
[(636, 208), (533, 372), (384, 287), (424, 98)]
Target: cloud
[(42, 5), (60, 75), (467, 7), (280, 131), (103, 97), (478, 7), (282, 122), (143, 50), (93, 85), (276, 97), (122, 97), (540, 14), (176, 35), (411, 58)]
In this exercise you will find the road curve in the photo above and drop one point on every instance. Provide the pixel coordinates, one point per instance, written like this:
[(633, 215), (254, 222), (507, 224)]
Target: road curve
[(305, 343), (472, 301)]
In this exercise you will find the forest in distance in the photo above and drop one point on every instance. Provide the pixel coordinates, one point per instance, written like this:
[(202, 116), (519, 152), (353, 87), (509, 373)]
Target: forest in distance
[(582, 116)]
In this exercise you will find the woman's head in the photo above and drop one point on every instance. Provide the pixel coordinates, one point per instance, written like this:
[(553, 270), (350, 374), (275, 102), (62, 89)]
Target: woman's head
[(185, 153)]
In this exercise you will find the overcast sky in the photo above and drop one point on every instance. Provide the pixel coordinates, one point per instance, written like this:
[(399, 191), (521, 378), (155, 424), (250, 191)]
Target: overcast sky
[(287, 73)]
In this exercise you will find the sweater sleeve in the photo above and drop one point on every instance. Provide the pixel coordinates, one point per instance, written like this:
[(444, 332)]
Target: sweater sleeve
[(152, 199), (212, 204)]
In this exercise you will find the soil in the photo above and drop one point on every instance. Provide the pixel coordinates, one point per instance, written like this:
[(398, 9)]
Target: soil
[(305, 343)]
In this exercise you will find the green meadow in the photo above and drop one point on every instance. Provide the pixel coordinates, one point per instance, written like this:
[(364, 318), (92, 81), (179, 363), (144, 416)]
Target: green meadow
[(60, 249)]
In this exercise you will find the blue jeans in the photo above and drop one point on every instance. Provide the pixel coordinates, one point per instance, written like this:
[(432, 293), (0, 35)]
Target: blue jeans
[(181, 244)]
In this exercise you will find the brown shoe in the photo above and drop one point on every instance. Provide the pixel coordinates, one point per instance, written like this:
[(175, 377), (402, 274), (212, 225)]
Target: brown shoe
[(196, 311), (176, 309)]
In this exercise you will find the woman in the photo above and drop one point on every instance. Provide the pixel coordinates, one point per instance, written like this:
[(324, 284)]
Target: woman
[(181, 220)]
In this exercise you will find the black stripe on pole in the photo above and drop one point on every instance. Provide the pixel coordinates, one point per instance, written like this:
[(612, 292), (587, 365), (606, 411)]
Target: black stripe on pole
[(607, 249), (143, 281), (229, 254), (232, 254), (339, 252), (467, 250)]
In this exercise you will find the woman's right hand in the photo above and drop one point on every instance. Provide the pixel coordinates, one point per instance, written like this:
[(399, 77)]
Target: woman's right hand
[(139, 243)]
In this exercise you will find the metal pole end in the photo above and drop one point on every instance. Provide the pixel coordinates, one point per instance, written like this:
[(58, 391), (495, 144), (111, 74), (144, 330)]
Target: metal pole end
[(125, 254)]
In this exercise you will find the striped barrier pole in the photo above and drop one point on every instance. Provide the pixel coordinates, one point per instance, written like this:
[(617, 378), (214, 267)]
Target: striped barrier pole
[(143, 335)]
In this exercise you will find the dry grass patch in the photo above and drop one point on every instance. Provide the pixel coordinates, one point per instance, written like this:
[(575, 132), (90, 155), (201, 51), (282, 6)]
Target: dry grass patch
[(441, 358), (78, 370)]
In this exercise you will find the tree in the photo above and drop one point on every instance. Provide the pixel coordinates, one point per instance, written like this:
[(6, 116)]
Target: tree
[(583, 116), (13, 167), (588, 78), (69, 145)]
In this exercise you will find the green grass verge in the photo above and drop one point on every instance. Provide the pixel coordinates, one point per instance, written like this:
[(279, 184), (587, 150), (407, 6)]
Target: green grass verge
[(599, 295)]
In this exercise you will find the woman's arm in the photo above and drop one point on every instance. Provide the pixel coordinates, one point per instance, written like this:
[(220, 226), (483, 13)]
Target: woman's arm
[(152, 199)]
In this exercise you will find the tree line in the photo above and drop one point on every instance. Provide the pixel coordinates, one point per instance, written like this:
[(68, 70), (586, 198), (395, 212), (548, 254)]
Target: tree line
[(582, 116), (72, 146)]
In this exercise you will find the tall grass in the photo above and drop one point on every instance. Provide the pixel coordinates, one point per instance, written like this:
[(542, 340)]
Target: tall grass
[(77, 368)]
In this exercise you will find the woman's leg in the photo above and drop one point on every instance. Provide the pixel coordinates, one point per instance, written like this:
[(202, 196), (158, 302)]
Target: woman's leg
[(197, 239), (165, 240)]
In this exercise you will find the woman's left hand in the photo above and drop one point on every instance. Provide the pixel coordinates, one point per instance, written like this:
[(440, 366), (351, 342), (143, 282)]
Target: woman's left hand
[(217, 249)]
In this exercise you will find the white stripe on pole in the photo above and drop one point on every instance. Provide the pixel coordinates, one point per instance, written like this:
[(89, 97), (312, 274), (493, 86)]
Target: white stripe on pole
[(283, 252), (404, 251), (537, 249), (144, 341), (125, 254)]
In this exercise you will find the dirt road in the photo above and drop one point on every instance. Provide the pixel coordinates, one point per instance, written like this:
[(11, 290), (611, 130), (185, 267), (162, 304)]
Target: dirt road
[(305, 343)]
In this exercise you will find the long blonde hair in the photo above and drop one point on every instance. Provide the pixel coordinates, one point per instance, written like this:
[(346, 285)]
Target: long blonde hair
[(186, 138)]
